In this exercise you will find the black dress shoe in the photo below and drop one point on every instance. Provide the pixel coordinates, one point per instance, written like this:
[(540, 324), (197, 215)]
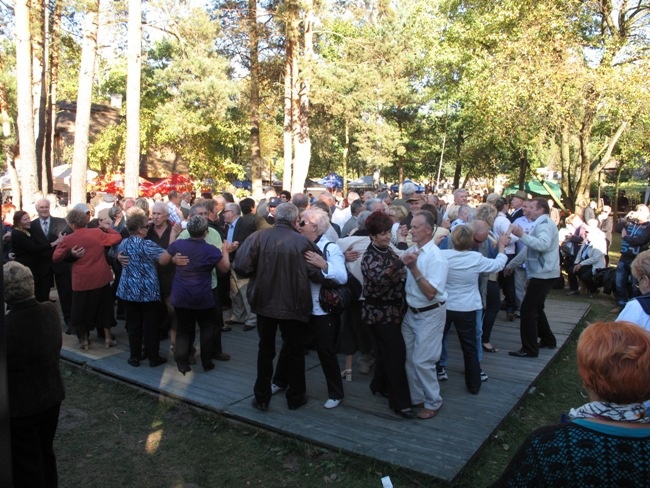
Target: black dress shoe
[(135, 362), (408, 413), (302, 402), (157, 361), (208, 367), (260, 405), (542, 345), (522, 354)]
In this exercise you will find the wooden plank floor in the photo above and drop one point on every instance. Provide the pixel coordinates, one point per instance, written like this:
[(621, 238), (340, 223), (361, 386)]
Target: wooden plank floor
[(362, 424)]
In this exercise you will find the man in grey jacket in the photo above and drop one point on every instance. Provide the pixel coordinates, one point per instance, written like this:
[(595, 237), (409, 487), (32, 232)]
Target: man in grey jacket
[(543, 268)]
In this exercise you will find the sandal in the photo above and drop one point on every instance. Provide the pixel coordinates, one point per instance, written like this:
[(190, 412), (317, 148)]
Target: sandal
[(346, 374)]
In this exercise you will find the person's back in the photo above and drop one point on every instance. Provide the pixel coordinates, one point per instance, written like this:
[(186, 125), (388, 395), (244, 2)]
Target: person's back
[(599, 454), (273, 259)]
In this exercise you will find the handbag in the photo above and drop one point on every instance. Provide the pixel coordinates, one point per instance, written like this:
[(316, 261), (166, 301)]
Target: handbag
[(567, 248), (335, 298)]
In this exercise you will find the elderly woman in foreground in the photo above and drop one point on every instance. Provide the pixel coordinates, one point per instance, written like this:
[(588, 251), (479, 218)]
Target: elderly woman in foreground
[(607, 441), (35, 383)]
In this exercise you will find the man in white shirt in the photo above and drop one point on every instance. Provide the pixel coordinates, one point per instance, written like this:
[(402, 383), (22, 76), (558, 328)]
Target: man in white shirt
[(424, 323)]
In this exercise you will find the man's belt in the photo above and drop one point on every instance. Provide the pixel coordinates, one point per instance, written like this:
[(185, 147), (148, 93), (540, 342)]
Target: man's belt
[(426, 309)]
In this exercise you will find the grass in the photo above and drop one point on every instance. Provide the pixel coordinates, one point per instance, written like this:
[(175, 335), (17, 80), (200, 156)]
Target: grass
[(115, 435)]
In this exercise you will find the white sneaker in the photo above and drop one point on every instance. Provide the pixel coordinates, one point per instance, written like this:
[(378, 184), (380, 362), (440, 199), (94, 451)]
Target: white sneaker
[(484, 376), (275, 389), (332, 403)]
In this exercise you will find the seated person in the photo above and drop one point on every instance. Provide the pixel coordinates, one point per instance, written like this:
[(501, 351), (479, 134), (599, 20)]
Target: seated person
[(607, 441)]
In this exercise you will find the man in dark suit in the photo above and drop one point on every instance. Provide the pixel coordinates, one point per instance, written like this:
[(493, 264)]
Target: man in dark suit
[(516, 205), (46, 228), (237, 229)]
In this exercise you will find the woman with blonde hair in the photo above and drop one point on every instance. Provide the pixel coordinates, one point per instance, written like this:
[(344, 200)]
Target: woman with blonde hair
[(606, 441)]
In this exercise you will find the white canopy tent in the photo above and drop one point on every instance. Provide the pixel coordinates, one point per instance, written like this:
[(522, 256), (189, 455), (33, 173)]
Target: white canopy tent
[(61, 175)]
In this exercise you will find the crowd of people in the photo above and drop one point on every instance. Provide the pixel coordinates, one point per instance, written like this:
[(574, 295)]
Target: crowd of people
[(424, 265)]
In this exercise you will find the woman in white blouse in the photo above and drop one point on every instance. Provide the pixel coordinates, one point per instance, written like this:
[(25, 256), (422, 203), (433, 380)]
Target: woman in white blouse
[(464, 297)]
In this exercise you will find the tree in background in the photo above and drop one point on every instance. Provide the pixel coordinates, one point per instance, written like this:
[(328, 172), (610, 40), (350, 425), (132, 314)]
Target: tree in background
[(84, 102)]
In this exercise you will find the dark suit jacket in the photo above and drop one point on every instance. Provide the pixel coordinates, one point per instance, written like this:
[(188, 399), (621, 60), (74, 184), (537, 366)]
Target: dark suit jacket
[(57, 225), (245, 227), (516, 214), (33, 347)]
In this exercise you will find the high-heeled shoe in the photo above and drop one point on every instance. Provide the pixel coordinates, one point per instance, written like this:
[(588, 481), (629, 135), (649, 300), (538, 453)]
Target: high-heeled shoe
[(85, 345), (110, 343), (374, 392), (184, 369), (346, 374)]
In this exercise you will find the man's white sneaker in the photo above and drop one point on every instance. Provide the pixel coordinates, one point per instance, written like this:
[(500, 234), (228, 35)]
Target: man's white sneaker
[(332, 403)]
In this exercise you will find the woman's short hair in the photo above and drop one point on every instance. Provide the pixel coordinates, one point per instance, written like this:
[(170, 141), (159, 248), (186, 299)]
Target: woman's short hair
[(18, 282), (361, 219), (197, 225), (486, 212), (113, 211), (462, 237), (500, 203), (318, 217), (641, 265), (143, 204), (614, 360), (78, 218), (17, 216), (135, 222), (398, 211), (378, 222), (452, 212)]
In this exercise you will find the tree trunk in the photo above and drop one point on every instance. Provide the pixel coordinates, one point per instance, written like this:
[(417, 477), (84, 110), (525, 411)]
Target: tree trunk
[(84, 104), (40, 28), (132, 163), (523, 166), (257, 163), (303, 142), (49, 156), (346, 151), (290, 74), (8, 149), (26, 163)]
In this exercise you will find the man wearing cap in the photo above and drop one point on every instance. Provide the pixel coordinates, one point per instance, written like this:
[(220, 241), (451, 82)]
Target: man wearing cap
[(272, 206), (516, 202)]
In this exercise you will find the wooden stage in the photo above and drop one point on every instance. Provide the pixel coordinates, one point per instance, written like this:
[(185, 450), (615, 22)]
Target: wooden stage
[(362, 424)]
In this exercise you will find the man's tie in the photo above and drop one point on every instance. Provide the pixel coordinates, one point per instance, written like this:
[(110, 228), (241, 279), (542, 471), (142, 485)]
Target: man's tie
[(45, 227)]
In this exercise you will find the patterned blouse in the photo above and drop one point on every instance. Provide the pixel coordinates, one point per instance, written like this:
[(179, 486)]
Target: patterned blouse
[(139, 281), (383, 287)]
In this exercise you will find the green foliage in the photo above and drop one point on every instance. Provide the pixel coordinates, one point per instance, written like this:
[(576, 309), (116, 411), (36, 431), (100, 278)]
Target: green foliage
[(107, 153)]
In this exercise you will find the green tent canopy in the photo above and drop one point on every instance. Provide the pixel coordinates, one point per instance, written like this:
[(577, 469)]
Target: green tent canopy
[(535, 187)]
